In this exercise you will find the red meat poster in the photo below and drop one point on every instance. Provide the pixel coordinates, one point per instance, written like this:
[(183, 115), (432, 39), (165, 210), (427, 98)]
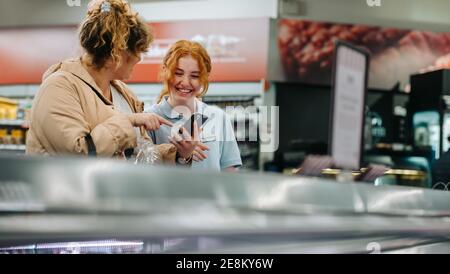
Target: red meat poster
[(306, 50)]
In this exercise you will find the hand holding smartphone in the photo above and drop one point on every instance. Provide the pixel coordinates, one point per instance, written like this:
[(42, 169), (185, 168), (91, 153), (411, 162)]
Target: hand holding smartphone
[(189, 124)]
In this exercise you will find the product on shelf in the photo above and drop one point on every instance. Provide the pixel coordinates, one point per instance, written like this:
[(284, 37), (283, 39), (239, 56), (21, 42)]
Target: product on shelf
[(14, 123), (3, 135), (18, 136), (8, 109)]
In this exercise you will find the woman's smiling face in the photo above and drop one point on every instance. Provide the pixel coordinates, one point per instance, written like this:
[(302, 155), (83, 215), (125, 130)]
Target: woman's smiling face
[(185, 84)]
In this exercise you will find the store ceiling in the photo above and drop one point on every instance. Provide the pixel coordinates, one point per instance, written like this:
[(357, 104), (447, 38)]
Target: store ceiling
[(410, 14), (16, 13)]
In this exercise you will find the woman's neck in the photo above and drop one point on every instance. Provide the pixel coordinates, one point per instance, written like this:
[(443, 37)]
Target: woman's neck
[(101, 76), (191, 105)]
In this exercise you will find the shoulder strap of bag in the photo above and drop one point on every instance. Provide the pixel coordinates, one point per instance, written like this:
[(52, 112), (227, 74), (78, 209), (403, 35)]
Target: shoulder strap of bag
[(92, 150), (94, 90)]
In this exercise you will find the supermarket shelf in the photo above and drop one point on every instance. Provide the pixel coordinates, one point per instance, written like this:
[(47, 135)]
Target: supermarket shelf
[(151, 90), (18, 91), (18, 122), (12, 147)]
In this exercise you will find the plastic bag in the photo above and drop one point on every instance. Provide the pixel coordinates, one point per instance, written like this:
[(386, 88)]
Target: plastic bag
[(147, 153)]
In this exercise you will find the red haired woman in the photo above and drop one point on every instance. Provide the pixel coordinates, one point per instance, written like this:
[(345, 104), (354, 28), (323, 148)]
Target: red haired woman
[(184, 73)]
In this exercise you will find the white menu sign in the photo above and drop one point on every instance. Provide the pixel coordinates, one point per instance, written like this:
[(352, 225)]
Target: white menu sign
[(348, 107)]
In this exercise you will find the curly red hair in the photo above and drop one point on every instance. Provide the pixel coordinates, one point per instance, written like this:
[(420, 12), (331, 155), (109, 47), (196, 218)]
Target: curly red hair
[(181, 49)]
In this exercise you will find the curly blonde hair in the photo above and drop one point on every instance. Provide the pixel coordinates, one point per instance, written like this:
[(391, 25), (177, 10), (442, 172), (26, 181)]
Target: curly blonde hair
[(111, 27), (178, 50)]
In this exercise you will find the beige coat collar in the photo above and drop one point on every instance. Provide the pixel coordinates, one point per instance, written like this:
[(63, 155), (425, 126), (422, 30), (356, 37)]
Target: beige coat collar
[(75, 67)]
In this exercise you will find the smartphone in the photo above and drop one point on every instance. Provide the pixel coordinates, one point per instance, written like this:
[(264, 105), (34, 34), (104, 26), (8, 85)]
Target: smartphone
[(189, 124)]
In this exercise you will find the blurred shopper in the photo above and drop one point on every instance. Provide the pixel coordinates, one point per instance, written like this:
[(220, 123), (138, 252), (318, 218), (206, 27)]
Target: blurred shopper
[(83, 107), (184, 73)]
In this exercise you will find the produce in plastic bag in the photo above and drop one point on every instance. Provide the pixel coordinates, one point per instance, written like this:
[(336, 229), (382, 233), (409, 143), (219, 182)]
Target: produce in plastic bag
[(147, 153)]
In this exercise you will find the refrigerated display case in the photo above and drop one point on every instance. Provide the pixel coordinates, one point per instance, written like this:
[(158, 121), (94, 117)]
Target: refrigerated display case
[(429, 110), (427, 131), (105, 206), (245, 125)]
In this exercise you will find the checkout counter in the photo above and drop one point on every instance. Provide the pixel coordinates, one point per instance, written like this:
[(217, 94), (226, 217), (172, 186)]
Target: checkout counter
[(79, 205)]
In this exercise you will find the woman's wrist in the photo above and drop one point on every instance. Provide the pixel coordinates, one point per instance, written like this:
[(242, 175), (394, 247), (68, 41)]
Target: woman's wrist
[(183, 160), (132, 119)]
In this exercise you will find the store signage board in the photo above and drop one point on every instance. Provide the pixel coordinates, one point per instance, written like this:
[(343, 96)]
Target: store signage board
[(350, 75), (238, 49)]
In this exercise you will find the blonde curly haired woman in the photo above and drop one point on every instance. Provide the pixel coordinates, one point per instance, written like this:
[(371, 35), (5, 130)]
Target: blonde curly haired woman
[(83, 107)]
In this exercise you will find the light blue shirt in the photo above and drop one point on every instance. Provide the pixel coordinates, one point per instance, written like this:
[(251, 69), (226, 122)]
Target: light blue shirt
[(217, 134)]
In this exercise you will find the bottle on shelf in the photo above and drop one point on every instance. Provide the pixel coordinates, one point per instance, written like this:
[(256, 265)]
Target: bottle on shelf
[(8, 109), (3, 134)]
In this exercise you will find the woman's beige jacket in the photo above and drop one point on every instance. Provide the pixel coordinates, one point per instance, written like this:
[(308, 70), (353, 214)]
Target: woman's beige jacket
[(66, 109)]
